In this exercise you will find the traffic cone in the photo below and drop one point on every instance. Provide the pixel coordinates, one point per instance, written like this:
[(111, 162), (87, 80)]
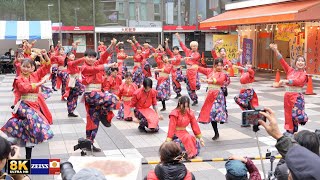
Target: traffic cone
[(276, 81), (231, 74), (309, 90)]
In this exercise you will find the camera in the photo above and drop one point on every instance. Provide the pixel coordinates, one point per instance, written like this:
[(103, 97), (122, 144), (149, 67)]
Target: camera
[(83, 144), (67, 171), (252, 116), (271, 152)]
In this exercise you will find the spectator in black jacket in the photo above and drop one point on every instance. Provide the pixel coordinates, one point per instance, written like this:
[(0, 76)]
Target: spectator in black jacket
[(170, 167), (302, 163)]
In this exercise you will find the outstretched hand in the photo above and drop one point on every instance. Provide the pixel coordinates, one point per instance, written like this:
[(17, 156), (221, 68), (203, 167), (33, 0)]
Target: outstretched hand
[(271, 128)]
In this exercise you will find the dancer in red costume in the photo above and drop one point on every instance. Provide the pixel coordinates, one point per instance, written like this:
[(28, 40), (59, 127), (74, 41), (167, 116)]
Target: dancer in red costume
[(74, 87), (180, 118), (214, 109), (294, 104), (121, 57), (163, 84), (138, 75), (60, 75), (146, 52), (31, 112), (158, 58), (98, 104), (126, 92), (112, 81), (142, 99), (192, 61), (27, 48), (175, 59), (247, 99)]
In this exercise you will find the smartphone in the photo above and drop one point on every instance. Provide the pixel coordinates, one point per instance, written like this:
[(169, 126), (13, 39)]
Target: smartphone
[(252, 117)]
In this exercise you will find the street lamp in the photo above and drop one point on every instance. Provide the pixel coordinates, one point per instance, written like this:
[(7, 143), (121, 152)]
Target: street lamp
[(75, 15), (49, 5)]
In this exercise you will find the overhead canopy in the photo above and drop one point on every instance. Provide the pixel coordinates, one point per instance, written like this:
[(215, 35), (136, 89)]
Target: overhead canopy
[(306, 10), (25, 30)]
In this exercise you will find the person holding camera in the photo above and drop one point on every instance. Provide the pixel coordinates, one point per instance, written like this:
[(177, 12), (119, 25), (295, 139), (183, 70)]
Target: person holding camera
[(8, 151), (294, 104), (180, 118), (304, 138), (170, 166), (301, 162), (31, 121), (214, 108)]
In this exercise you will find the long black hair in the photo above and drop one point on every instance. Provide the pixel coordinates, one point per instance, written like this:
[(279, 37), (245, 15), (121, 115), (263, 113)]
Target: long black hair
[(182, 101), (67, 57)]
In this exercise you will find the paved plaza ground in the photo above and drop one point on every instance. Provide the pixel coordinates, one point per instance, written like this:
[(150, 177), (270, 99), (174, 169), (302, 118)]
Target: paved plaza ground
[(123, 139)]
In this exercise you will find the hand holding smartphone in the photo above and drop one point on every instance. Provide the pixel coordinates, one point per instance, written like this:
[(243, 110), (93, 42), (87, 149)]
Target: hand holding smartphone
[(252, 116)]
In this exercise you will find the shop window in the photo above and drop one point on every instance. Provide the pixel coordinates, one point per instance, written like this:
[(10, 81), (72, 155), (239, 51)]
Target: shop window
[(132, 10)]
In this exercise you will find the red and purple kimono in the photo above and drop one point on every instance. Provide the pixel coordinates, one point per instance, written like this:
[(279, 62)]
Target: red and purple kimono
[(214, 108), (31, 119), (59, 73), (192, 79), (177, 131), (112, 84), (121, 57), (74, 87), (138, 75), (163, 84), (125, 94), (98, 104), (247, 99), (294, 104), (176, 71), (141, 103), (158, 58), (146, 52)]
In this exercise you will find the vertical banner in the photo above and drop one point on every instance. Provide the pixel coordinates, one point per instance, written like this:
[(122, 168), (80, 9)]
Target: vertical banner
[(175, 41), (313, 51), (230, 43), (82, 45), (247, 51)]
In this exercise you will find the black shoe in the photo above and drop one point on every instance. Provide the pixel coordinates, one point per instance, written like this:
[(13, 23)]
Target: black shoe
[(72, 115), (95, 149), (104, 121), (54, 89), (245, 125), (142, 129), (163, 109), (195, 103), (178, 95), (215, 137)]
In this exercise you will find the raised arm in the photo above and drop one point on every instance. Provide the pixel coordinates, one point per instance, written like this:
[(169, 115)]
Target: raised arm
[(76, 62), (283, 63), (183, 46), (45, 66)]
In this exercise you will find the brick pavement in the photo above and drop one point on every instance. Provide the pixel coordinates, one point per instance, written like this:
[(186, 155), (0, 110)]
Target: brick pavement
[(123, 139)]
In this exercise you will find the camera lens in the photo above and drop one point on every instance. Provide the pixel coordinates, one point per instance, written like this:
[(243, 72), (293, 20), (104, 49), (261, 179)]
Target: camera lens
[(67, 171)]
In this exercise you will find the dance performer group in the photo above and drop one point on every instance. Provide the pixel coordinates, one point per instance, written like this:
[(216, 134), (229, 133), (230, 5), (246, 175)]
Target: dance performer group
[(104, 87)]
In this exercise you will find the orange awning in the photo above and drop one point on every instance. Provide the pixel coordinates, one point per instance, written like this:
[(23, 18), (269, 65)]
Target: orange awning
[(306, 10)]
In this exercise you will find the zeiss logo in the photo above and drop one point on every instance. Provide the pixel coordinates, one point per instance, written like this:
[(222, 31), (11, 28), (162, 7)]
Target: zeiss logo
[(39, 166)]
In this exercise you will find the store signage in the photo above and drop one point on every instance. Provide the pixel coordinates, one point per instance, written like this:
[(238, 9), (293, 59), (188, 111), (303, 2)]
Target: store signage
[(134, 23), (73, 28)]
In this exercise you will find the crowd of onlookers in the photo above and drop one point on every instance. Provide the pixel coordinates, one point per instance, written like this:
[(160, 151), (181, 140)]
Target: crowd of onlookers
[(300, 158)]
